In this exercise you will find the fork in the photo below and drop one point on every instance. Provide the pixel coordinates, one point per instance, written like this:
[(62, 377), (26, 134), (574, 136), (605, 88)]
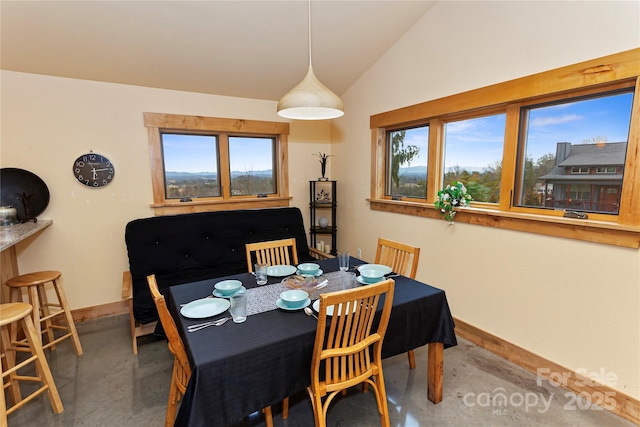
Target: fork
[(198, 326)]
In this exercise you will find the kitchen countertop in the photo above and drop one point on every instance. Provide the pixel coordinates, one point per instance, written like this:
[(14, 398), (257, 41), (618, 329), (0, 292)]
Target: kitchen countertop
[(12, 234)]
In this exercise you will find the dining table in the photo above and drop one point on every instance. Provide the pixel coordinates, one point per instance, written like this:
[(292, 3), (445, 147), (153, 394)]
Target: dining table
[(240, 368)]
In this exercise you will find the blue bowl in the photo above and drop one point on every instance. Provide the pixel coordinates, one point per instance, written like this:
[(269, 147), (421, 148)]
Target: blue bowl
[(371, 275), (228, 287), (309, 268), (294, 298)]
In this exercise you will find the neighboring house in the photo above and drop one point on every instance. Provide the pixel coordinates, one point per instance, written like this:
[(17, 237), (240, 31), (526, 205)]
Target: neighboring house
[(586, 177)]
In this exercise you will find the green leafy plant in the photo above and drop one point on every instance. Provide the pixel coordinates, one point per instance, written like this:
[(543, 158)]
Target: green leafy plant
[(453, 196)]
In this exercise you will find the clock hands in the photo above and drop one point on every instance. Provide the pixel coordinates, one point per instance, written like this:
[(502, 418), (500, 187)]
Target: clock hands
[(94, 171)]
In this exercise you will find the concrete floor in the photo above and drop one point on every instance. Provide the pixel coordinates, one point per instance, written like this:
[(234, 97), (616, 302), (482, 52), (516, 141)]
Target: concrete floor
[(109, 386)]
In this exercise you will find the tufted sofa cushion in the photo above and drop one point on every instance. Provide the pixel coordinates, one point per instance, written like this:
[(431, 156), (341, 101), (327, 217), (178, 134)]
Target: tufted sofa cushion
[(190, 247)]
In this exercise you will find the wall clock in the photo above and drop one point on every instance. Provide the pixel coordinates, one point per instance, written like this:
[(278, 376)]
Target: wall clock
[(93, 170)]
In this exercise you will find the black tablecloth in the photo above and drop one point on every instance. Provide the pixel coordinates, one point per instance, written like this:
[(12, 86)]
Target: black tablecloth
[(241, 368)]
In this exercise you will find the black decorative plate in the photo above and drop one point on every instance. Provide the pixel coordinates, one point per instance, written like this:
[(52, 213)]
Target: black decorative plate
[(15, 183)]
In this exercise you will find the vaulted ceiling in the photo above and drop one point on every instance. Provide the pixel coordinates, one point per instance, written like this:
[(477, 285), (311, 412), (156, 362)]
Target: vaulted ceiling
[(253, 49)]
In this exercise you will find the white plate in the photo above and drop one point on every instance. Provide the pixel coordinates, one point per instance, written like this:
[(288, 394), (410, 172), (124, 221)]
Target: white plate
[(281, 270), (205, 307), (385, 269), (283, 306), (216, 293), (361, 280), (316, 307), (318, 273)]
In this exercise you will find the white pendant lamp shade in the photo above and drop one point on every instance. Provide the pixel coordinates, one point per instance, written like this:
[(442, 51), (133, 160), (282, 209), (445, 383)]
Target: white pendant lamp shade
[(310, 99)]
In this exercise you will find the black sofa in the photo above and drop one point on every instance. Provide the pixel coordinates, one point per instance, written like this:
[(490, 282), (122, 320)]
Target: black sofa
[(197, 246)]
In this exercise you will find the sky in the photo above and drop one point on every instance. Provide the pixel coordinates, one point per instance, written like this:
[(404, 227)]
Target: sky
[(478, 143), (197, 153), (473, 143)]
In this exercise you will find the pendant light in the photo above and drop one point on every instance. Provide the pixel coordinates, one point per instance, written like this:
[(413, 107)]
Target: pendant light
[(310, 99)]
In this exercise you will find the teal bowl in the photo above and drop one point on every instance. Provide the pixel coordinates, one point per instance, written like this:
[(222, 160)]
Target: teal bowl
[(294, 298), (371, 275), (228, 287), (308, 268)]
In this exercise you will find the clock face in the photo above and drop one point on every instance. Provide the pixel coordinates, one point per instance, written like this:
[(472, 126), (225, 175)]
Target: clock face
[(93, 170)]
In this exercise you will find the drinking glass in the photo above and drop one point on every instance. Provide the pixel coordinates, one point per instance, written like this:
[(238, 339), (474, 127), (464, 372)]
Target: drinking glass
[(238, 307), (261, 273), (343, 259), (348, 280)]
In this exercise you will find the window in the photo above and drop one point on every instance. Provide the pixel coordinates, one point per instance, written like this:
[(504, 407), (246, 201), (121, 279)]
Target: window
[(581, 192), (565, 140), (579, 170), (611, 169), (408, 154), (574, 136), (252, 163), (190, 166), (473, 155), (206, 163)]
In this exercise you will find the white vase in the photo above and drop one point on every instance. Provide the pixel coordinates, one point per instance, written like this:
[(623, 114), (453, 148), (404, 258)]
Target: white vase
[(323, 222)]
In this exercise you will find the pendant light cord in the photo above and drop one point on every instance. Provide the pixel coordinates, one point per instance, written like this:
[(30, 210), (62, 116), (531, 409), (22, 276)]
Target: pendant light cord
[(310, 99), (309, 33)]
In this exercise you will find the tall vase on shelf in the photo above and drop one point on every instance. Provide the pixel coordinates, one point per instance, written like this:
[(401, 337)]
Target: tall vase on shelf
[(324, 159)]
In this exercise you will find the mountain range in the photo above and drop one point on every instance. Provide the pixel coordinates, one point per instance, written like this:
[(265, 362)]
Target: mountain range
[(186, 176)]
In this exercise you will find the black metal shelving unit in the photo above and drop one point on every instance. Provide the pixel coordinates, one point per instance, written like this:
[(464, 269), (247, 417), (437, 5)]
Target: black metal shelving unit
[(323, 204)]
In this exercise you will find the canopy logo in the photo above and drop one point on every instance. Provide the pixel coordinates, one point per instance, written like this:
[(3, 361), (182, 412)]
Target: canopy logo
[(499, 399)]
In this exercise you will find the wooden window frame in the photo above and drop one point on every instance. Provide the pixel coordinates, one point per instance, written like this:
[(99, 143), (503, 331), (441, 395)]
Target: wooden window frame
[(176, 123), (594, 76)]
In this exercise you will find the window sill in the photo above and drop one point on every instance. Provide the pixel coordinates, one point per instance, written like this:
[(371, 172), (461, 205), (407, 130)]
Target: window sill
[(579, 229), (173, 208)]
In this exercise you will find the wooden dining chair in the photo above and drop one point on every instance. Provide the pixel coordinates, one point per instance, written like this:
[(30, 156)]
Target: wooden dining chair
[(274, 252), (403, 259), (181, 367), (347, 350)]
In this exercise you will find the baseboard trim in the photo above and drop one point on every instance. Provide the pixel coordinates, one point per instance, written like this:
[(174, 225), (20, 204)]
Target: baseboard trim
[(602, 395), (99, 311)]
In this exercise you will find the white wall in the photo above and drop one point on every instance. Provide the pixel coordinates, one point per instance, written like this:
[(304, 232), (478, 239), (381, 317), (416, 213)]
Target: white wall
[(573, 302), (47, 122)]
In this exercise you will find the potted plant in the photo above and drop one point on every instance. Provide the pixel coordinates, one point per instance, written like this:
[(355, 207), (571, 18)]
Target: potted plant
[(453, 196)]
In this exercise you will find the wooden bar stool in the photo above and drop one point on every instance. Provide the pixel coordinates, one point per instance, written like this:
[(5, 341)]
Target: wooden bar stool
[(42, 313), (16, 314)]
